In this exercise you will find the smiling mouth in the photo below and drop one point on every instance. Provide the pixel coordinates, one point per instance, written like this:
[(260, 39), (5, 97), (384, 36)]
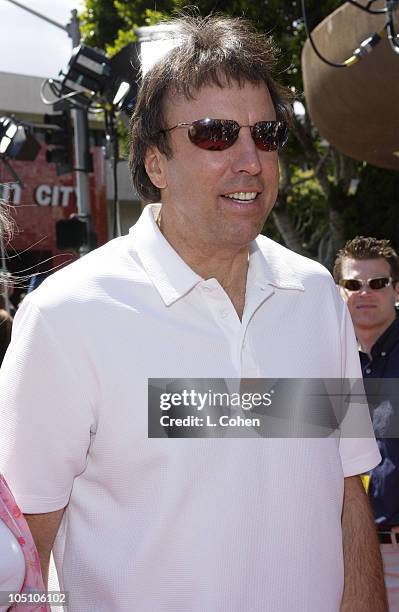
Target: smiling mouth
[(242, 196)]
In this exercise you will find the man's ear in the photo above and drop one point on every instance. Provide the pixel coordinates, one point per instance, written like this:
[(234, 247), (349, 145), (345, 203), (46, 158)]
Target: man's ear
[(154, 163)]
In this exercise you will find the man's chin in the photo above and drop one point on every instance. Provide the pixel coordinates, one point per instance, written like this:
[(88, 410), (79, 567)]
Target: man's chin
[(367, 323), (240, 239)]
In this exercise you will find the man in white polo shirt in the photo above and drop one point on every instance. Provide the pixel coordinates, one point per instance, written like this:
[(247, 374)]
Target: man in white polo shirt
[(156, 524)]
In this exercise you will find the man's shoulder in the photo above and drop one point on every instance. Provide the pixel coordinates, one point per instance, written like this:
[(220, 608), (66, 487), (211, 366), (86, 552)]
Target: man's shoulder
[(90, 277), (388, 344), (304, 268)]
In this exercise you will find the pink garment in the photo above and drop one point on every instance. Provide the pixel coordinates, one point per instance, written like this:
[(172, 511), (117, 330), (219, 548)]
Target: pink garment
[(12, 516)]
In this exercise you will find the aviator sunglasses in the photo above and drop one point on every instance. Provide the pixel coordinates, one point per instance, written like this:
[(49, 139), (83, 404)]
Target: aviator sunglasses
[(355, 284), (220, 134)]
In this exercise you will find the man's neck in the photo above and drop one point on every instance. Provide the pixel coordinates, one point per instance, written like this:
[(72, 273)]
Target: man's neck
[(228, 266), (229, 269), (231, 273), (368, 337)]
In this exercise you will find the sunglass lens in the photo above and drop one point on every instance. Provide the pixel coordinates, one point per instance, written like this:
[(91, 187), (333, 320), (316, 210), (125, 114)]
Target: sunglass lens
[(213, 134), (351, 284), (270, 135), (379, 283)]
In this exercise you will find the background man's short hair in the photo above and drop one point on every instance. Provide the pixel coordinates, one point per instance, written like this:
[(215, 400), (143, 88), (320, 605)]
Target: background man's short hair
[(209, 51), (361, 247)]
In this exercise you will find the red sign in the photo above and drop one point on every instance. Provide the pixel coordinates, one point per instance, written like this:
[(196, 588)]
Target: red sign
[(45, 198)]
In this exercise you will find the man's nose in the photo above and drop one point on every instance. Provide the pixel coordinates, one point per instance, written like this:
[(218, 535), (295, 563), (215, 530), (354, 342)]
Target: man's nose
[(246, 154), (365, 289)]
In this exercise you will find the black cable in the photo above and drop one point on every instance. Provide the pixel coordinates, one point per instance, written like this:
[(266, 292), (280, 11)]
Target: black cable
[(392, 36), (367, 8), (315, 49), (113, 151), (365, 47), (116, 203)]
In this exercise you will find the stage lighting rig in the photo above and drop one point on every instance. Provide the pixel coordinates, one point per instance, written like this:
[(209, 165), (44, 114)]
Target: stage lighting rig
[(17, 140), (86, 76), (91, 77)]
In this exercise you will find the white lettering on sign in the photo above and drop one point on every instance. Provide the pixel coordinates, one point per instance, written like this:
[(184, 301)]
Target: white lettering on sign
[(65, 193), (43, 195), (10, 193), (53, 195)]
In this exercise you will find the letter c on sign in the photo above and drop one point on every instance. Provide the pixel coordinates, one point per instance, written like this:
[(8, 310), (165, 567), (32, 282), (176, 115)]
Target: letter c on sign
[(43, 195)]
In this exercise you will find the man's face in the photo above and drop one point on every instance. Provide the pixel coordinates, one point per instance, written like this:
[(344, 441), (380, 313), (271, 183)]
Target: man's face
[(370, 309), (194, 182)]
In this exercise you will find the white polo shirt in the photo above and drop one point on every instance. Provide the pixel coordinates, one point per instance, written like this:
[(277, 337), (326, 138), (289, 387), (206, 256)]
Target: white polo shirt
[(177, 525)]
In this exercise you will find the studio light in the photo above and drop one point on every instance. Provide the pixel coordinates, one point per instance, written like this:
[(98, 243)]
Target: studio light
[(121, 94), (87, 74), (17, 141), (92, 77), (125, 68)]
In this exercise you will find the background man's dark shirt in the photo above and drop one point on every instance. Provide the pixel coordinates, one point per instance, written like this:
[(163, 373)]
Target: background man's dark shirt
[(384, 479)]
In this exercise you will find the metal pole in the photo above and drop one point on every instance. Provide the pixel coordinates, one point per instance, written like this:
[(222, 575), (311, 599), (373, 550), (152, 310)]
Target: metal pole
[(81, 128), (81, 160)]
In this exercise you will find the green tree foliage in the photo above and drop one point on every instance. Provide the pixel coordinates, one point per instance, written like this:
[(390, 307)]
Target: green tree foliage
[(317, 210), (100, 23)]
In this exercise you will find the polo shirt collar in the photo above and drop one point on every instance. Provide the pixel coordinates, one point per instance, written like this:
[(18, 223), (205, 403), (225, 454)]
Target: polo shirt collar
[(169, 273), (173, 278), (269, 267)]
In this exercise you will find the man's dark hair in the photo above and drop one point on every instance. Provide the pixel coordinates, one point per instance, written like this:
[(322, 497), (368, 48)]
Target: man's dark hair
[(209, 51), (367, 248)]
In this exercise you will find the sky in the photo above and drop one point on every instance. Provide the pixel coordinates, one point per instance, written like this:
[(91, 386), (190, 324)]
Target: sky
[(29, 45)]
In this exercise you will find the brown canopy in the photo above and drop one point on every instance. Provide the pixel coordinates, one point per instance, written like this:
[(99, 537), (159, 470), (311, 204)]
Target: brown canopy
[(357, 108)]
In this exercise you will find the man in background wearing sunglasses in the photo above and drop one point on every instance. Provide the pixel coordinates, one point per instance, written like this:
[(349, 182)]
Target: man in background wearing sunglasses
[(367, 270), (156, 524)]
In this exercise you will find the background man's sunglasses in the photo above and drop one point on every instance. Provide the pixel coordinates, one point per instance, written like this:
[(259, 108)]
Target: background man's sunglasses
[(355, 284), (220, 134)]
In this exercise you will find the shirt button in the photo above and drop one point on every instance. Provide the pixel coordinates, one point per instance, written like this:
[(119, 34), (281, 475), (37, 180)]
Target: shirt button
[(207, 289), (224, 314), (368, 371), (383, 354)]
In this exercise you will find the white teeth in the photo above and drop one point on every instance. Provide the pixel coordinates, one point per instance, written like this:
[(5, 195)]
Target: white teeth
[(242, 195)]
